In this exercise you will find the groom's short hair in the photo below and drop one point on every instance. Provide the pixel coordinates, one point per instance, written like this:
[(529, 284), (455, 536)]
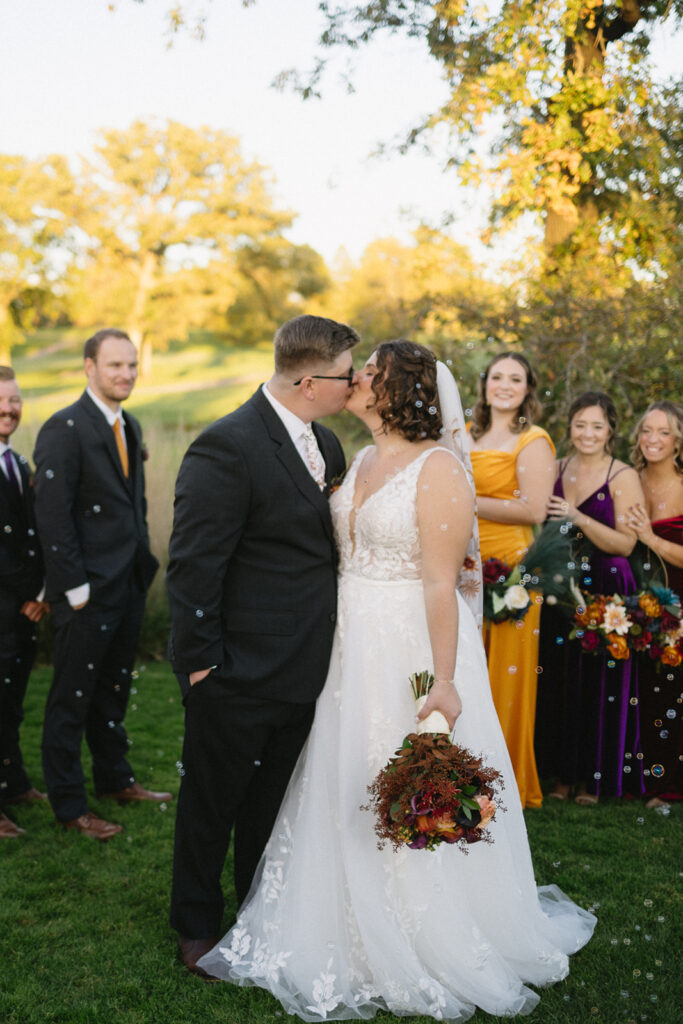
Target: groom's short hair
[(308, 340)]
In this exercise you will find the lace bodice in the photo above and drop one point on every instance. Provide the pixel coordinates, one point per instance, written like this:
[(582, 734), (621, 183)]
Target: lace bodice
[(380, 540)]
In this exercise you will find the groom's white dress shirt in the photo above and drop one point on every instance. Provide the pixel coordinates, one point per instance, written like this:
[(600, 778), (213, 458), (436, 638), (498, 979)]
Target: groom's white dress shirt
[(295, 427)]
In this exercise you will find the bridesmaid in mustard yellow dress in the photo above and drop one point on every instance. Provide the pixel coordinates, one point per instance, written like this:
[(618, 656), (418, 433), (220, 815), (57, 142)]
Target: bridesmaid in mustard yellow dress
[(513, 463)]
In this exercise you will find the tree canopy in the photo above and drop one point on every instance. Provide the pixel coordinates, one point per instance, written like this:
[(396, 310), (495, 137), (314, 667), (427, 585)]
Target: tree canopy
[(579, 132)]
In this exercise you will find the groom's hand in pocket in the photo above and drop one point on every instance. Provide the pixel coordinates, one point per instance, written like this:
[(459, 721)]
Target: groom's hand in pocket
[(202, 673)]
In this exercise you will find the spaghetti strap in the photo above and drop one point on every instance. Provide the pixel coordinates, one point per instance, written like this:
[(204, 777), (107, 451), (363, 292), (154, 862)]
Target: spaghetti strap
[(610, 478)]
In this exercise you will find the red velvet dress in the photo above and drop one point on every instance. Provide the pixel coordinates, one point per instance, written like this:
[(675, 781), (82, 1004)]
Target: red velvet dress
[(662, 699)]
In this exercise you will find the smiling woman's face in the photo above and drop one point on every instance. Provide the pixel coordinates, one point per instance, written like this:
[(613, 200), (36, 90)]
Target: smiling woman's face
[(656, 440), (506, 386)]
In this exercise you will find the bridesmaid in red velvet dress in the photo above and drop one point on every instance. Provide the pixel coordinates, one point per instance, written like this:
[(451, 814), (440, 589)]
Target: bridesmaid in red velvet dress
[(658, 457)]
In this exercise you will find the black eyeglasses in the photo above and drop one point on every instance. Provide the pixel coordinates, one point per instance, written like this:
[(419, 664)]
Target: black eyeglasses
[(348, 377)]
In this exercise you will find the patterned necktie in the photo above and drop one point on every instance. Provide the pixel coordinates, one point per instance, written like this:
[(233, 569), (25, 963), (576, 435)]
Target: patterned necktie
[(314, 459), (11, 472), (121, 445)]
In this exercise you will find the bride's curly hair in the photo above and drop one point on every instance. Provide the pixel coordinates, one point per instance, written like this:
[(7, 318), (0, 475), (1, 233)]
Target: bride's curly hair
[(405, 390)]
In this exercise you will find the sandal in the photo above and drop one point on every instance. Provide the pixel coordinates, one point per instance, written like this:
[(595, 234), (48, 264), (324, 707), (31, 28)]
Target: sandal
[(557, 794), (586, 800)]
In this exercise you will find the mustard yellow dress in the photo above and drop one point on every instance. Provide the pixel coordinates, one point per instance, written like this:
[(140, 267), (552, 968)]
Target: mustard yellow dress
[(512, 652)]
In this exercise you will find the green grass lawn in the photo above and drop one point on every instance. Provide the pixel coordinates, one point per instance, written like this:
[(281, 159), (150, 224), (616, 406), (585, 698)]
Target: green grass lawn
[(84, 926)]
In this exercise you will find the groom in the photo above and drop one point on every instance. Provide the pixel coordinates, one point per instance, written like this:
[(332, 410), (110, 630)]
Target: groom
[(252, 592)]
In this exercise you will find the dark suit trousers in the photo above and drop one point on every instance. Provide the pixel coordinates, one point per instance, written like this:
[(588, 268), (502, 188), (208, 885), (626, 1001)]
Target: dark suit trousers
[(17, 651), (238, 756), (94, 655)]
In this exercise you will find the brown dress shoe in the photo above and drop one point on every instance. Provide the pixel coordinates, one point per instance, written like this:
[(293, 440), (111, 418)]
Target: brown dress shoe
[(136, 792), (8, 830), (90, 825), (192, 950), (31, 796)]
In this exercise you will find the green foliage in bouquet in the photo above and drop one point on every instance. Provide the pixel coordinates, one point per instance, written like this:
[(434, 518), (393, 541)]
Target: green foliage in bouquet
[(549, 566)]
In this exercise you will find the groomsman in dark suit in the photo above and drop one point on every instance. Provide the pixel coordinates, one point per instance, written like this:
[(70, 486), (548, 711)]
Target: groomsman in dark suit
[(252, 590), (21, 583), (91, 513)]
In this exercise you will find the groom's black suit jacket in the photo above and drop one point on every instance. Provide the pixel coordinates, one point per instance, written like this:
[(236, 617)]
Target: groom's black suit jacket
[(251, 578)]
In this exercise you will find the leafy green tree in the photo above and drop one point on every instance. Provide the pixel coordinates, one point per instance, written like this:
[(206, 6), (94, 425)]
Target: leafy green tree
[(171, 215), (562, 86), (420, 290), (36, 239)]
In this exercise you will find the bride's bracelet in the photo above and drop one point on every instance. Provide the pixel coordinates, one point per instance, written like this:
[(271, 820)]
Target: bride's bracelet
[(451, 681)]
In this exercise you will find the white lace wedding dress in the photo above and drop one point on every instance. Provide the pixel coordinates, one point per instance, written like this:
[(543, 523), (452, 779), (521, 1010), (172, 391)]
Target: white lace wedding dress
[(338, 929)]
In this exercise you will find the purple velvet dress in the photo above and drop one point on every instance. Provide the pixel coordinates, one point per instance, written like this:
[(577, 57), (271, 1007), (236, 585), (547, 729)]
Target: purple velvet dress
[(588, 715)]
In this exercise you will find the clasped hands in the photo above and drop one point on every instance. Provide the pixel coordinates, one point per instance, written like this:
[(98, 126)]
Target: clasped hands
[(35, 610), (560, 508), (639, 521)]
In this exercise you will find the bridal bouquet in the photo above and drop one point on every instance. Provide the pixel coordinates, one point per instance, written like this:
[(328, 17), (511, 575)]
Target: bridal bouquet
[(547, 566), (616, 625), (432, 791)]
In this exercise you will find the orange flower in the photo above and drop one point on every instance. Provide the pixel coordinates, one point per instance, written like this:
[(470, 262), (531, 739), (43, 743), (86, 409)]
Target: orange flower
[(591, 615), (424, 823), (618, 647), (650, 605), (671, 656)]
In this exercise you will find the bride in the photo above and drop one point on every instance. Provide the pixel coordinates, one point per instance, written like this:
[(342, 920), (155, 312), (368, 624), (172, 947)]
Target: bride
[(334, 927)]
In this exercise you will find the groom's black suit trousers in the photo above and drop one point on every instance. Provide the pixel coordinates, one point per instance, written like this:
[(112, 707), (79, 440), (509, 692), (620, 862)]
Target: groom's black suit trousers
[(238, 755)]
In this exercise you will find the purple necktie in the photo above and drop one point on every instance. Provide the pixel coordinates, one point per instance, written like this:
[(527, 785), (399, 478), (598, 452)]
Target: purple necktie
[(11, 471)]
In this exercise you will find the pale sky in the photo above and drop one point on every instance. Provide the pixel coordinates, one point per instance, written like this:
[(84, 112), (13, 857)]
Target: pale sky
[(70, 67)]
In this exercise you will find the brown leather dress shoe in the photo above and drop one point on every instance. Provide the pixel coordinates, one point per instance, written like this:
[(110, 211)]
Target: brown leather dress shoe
[(136, 792), (31, 796), (192, 950), (90, 825), (8, 830)]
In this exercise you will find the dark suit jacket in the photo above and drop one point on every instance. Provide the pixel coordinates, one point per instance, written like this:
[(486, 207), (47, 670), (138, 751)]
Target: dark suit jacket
[(252, 572), (91, 519), (21, 563)]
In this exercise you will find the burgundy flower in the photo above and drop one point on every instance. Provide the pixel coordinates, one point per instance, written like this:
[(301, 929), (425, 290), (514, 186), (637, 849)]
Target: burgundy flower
[(655, 651), (669, 623), (640, 642), (493, 569), (590, 640)]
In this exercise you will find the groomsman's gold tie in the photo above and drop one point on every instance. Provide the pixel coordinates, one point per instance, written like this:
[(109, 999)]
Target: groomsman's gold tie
[(121, 445)]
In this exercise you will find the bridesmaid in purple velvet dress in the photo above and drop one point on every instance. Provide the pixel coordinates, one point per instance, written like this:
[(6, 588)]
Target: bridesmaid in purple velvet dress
[(588, 721), (658, 457)]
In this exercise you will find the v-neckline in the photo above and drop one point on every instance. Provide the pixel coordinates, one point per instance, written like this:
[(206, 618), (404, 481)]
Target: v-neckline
[(358, 508)]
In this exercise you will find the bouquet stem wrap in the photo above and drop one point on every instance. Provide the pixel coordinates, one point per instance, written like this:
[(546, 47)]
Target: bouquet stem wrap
[(434, 722)]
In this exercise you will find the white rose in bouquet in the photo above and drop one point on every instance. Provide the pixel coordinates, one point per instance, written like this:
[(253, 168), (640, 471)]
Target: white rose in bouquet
[(516, 597)]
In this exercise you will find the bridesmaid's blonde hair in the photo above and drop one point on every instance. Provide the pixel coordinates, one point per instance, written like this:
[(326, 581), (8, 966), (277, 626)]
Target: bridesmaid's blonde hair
[(674, 414)]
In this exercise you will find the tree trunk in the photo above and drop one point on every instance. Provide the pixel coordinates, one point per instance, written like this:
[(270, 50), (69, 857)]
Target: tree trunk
[(585, 55), (136, 330)]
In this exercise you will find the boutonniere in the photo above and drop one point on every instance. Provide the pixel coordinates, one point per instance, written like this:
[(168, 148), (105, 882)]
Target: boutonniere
[(336, 483)]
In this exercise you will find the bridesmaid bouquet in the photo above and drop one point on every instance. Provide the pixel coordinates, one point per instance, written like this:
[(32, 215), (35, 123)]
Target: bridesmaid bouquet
[(547, 566), (432, 791), (618, 624)]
